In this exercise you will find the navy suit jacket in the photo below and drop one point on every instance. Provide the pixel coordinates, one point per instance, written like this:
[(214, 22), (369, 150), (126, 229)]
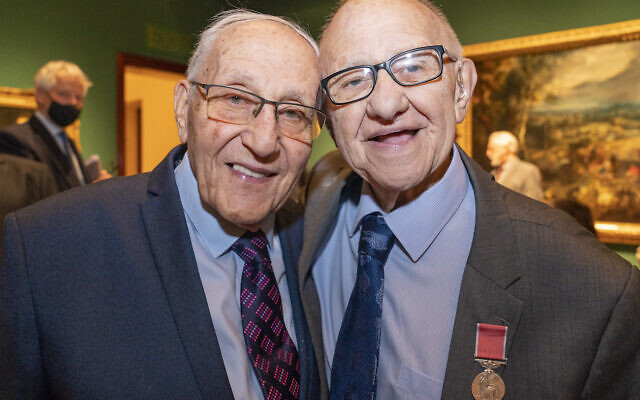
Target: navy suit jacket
[(32, 140), (100, 297)]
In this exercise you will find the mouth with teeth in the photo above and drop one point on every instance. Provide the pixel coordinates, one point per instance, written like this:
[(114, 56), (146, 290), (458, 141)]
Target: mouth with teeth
[(248, 172), (395, 138)]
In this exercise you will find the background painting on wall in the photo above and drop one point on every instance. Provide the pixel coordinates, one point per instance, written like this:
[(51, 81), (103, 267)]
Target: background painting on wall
[(16, 105), (573, 100)]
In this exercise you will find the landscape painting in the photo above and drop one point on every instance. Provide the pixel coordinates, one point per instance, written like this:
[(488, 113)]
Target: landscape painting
[(576, 113)]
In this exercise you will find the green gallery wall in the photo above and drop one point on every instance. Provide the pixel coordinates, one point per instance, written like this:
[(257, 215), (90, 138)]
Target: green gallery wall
[(91, 33)]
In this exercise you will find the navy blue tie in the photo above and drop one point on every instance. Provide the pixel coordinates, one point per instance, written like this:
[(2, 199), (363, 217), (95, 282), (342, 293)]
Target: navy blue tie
[(355, 361)]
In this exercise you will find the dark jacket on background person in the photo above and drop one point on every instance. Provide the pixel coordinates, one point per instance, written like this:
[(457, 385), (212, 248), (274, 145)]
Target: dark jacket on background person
[(32, 140)]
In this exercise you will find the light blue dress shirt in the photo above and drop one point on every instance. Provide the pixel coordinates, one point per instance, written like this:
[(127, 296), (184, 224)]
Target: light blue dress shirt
[(54, 130), (422, 281), (220, 272)]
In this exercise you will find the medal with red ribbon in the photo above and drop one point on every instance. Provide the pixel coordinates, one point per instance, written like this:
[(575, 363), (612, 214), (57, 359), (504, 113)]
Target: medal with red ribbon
[(490, 352)]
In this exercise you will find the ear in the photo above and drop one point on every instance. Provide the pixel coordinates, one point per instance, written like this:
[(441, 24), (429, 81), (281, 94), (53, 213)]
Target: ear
[(181, 108), (41, 97), (465, 83)]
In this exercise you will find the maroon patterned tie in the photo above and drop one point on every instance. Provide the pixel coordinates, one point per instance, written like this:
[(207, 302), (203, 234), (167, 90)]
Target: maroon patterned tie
[(272, 352)]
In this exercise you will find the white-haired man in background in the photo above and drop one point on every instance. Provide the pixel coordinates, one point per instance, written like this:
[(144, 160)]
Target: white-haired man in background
[(179, 283), (509, 170), (60, 90)]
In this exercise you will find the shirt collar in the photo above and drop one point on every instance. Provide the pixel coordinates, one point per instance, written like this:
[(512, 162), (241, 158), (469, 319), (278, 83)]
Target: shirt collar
[(216, 234), (51, 127), (417, 224)]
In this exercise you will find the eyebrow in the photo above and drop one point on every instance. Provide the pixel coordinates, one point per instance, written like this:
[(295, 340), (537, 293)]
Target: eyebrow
[(248, 82)]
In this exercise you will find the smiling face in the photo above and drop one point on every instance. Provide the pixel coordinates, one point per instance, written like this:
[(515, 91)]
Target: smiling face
[(398, 137), (245, 172)]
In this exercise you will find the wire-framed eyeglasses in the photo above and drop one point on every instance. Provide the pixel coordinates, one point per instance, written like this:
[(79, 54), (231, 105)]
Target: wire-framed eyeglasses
[(409, 68), (238, 106)]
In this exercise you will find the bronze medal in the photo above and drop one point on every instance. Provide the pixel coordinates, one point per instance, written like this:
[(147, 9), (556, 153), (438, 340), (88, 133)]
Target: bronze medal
[(487, 385), (491, 342)]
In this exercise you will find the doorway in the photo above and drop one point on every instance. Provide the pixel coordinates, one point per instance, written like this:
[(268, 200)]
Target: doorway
[(146, 123)]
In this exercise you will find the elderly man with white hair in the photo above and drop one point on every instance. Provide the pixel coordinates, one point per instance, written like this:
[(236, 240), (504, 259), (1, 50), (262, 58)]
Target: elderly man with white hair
[(179, 283), (509, 170), (60, 90)]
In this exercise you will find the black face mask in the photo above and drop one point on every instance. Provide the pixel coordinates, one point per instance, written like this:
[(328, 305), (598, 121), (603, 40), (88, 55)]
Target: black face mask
[(63, 115)]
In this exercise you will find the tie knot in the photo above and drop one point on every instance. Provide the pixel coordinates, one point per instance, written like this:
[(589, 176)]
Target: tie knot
[(63, 136), (252, 245), (376, 239)]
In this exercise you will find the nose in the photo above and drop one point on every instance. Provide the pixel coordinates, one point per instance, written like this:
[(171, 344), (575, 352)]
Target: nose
[(261, 135), (78, 102), (387, 100)]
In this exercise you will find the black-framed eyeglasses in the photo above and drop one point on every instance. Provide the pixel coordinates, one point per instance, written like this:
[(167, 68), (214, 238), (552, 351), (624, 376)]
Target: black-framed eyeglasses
[(409, 68), (238, 106)]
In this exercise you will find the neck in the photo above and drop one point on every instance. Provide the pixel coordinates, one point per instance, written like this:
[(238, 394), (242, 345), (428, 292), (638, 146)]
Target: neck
[(389, 200)]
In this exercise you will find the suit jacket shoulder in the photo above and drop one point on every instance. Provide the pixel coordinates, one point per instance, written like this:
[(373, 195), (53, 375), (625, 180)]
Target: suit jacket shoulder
[(562, 294), (104, 281)]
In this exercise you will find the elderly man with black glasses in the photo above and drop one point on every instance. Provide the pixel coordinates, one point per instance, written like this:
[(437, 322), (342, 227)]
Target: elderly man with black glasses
[(427, 279), (180, 283)]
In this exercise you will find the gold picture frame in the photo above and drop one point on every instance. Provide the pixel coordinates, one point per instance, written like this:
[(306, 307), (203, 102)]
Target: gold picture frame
[(553, 46)]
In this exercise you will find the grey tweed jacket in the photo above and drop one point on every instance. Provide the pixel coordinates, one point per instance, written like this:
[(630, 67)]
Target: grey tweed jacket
[(571, 305)]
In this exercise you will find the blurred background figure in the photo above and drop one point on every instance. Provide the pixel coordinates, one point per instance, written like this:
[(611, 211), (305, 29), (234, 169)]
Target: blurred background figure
[(579, 211), (60, 90), (509, 170), (22, 182)]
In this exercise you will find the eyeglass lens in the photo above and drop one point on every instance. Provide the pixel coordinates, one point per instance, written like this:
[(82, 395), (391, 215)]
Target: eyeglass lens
[(409, 69), (237, 107)]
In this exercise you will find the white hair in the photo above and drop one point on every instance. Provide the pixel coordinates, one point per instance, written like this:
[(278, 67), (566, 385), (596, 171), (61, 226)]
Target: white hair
[(47, 76), (223, 20), (505, 138)]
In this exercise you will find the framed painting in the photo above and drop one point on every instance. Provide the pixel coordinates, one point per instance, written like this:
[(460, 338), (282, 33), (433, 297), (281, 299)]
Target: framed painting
[(572, 98), (16, 105)]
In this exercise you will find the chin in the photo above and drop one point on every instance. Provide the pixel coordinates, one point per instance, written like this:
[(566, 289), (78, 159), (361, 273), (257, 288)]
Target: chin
[(245, 221)]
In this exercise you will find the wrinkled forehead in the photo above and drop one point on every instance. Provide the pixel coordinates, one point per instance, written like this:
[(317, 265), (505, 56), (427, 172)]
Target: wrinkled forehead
[(263, 51), (371, 31)]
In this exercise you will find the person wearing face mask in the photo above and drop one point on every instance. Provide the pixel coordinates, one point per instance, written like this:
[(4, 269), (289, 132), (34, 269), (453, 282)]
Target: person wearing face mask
[(60, 89)]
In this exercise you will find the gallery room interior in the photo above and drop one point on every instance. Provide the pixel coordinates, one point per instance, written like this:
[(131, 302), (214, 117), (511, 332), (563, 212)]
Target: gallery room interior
[(135, 51)]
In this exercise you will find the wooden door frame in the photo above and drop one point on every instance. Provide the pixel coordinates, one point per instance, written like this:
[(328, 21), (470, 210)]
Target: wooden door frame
[(128, 60)]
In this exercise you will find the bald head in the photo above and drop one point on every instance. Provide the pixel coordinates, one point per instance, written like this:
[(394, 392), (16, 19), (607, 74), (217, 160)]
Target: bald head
[(347, 12)]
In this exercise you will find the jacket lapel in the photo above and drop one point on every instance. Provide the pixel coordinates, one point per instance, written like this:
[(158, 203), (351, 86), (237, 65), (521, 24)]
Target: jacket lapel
[(320, 212), (170, 244), (492, 267), (289, 225), (58, 160)]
